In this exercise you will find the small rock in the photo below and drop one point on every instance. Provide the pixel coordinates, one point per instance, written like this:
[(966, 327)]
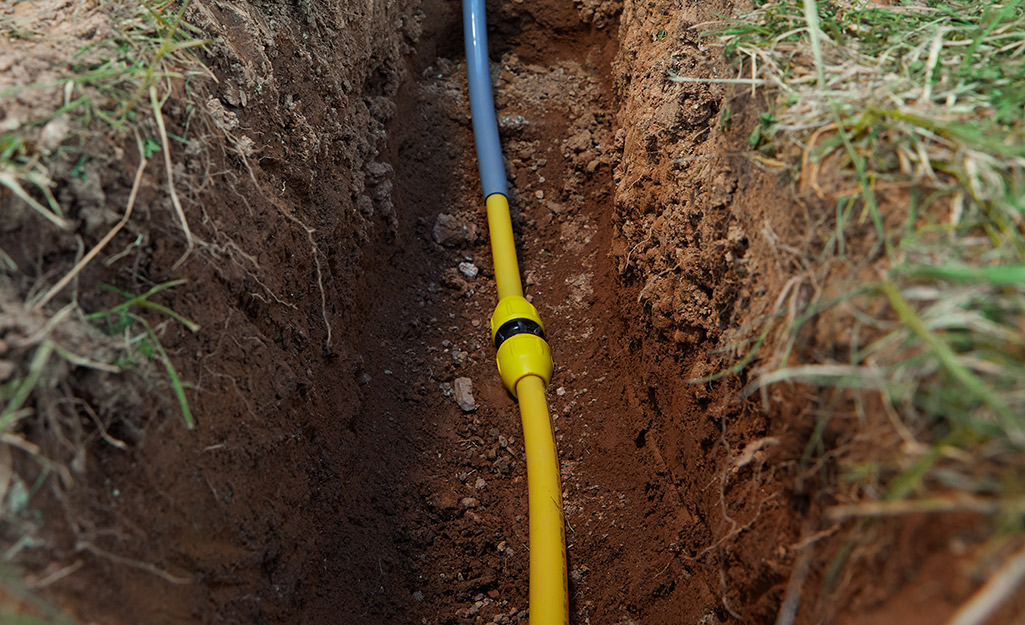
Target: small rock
[(379, 171), (451, 279), (54, 133), (480, 484), (464, 394), (475, 323), (503, 442), (560, 391), (365, 206), (503, 465), (468, 269), (365, 379), (451, 231), (7, 369), (501, 546), (469, 502), (580, 141), (446, 389), (539, 194), (387, 371)]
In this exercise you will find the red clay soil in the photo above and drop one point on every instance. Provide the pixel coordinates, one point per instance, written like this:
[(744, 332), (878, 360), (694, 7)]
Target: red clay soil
[(333, 478)]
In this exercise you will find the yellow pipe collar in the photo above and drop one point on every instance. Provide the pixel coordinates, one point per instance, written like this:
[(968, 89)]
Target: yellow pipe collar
[(521, 356), (510, 308)]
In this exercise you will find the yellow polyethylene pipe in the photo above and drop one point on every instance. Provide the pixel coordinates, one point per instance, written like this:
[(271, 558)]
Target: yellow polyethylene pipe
[(503, 248), (549, 592)]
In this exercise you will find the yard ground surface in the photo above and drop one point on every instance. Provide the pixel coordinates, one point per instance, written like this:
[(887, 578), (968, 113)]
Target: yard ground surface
[(337, 266)]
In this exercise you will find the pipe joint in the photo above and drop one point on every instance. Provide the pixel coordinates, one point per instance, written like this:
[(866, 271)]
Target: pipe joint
[(519, 335)]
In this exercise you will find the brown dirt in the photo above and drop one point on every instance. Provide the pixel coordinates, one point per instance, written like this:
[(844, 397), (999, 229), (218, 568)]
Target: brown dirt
[(332, 477)]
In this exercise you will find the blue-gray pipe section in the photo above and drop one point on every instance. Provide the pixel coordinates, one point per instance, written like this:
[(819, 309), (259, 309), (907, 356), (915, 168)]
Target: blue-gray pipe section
[(482, 105)]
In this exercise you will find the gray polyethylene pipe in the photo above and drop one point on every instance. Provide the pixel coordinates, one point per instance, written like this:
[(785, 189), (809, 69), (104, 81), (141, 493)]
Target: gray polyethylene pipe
[(482, 106)]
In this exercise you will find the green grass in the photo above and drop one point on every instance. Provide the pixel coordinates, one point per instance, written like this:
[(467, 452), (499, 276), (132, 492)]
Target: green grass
[(140, 338), (915, 113), (109, 88), (17, 599), (140, 341), (104, 83)]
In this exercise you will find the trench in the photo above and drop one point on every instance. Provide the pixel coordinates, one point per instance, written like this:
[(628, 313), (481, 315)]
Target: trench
[(342, 281), (364, 493), (460, 531)]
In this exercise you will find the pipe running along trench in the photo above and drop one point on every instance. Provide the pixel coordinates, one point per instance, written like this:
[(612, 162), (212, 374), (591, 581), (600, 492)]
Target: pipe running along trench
[(524, 358)]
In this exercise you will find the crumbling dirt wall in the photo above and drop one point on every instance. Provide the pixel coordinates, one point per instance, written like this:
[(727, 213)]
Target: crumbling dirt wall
[(284, 191), (713, 245), (684, 229)]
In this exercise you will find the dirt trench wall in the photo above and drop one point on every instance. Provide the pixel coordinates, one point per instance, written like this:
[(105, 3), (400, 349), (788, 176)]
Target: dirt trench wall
[(689, 212), (710, 247), (285, 191), (313, 86)]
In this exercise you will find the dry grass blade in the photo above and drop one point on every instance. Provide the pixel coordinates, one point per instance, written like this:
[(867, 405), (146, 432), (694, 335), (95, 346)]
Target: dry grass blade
[(1002, 586), (87, 546), (11, 182), (68, 277), (935, 505), (179, 211), (904, 128)]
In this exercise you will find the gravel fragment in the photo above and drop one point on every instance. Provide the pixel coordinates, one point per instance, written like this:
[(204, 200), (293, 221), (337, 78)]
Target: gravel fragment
[(503, 465), (452, 232), (468, 269), (463, 388)]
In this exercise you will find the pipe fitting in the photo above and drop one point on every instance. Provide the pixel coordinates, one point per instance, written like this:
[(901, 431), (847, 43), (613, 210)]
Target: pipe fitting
[(519, 335), (510, 309), (523, 355)]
